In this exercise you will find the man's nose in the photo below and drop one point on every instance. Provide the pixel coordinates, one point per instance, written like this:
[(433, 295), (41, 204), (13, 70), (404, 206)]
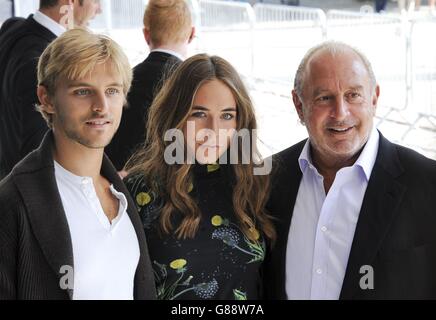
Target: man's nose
[(340, 109), (100, 103)]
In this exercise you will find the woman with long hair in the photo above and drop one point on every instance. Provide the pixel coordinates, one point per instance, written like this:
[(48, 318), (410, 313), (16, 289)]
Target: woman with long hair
[(197, 185)]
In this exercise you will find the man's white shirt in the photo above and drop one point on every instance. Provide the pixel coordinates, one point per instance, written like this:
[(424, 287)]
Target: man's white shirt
[(106, 254), (49, 23), (170, 52), (322, 227)]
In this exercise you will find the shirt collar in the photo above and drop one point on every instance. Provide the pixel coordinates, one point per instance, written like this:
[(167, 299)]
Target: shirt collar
[(305, 159), (368, 155), (171, 52), (366, 158), (61, 172), (49, 23)]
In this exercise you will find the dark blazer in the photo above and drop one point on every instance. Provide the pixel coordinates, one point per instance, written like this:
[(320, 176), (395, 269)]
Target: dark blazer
[(395, 233), (35, 240), (22, 128), (148, 77)]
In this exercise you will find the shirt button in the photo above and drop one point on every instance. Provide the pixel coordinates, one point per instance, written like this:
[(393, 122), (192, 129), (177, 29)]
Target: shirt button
[(85, 181), (323, 228), (318, 271)]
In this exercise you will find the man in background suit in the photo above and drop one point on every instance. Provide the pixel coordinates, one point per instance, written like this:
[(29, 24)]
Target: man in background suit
[(22, 41), (168, 31), (68, 227), (355, 213)]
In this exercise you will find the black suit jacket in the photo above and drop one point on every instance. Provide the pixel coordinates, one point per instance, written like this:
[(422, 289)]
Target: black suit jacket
[(22, 128), (35, 240), (395, 233), (148, 77)]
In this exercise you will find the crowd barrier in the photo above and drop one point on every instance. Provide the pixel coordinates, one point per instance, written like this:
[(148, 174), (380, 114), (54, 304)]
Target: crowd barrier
[(267, 41)]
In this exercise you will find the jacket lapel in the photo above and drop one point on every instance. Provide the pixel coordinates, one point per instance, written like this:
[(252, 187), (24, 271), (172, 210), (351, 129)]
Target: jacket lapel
[(382, 198), (36, 182), (286, 183)]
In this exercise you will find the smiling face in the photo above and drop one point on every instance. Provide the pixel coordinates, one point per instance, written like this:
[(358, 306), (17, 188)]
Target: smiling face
[(87, 112), (337, 106), (214, 114)]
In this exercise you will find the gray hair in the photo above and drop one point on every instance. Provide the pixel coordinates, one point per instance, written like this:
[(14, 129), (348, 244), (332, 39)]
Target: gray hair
[(333, 47)]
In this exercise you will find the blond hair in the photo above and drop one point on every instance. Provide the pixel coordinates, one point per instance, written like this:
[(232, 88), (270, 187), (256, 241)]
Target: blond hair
[(74, 55), (169, 21)]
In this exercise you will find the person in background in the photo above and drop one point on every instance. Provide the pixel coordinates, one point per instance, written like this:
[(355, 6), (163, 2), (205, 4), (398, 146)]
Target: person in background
[(168, 30), (380, 5), (22, 41), (204, 217)]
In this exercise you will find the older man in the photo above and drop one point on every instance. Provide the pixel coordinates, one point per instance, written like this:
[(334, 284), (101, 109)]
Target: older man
[(355, 213)]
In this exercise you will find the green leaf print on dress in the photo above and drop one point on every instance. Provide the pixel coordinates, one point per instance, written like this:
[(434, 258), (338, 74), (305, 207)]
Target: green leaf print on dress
[(225, 231), (239, 295), (204, 290)]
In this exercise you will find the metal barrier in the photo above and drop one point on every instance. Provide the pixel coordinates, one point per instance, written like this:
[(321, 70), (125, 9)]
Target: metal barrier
[(5, 10), (273, 16), (423, 61), (122, 20), (268, 42), (283, 34), (126, 14), (236, 43), (370, 33), (23, 8)]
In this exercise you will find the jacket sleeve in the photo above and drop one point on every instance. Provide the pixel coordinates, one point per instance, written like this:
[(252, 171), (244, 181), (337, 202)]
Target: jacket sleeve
[(8, 248)]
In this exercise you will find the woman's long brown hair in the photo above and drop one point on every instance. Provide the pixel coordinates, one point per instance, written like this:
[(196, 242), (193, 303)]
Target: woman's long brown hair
[(170, 110)]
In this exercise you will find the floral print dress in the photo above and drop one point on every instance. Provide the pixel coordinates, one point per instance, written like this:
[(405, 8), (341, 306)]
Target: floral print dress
[(220, 262)]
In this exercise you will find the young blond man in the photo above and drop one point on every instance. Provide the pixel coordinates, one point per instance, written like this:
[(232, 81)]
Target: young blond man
[(68, 228), (22, 42)]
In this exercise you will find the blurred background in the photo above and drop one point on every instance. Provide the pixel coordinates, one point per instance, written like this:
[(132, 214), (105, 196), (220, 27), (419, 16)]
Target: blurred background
[(265, 41)]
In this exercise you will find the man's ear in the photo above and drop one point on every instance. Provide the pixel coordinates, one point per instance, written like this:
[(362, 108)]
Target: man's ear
[(45, 100), (375, 96), (147, 36), (298, 105), (192, 35)]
